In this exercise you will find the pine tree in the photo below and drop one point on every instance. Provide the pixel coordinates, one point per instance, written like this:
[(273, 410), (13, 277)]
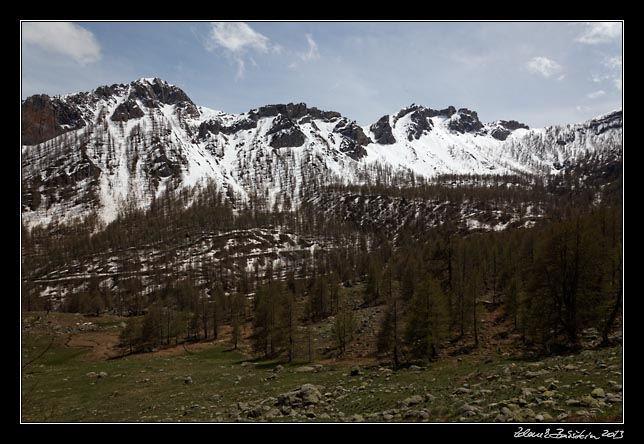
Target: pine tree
[(426, 320)]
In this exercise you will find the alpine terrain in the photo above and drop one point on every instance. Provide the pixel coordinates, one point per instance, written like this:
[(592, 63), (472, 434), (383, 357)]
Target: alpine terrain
[(287, 264), (127, 144)]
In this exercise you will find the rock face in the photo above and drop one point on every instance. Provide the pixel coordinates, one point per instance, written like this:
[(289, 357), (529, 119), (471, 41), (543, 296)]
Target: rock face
[(513, 125), (154, 91), (354, 139), (465, 121), (285, 133), (293, 111), (503, 128), (215, 127), (126, 111), (421, 123), (44, 118), (382, 131), (421, 119)]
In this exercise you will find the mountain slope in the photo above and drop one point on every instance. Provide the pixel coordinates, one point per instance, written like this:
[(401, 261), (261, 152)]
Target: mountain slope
[(127, 144)]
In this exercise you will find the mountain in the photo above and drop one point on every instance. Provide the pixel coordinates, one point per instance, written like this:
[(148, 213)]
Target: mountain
[(127, 144)]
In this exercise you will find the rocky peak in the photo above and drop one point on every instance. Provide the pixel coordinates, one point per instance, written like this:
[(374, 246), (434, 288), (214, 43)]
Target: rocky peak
[(293, 111), (447, 112), (152, 91)]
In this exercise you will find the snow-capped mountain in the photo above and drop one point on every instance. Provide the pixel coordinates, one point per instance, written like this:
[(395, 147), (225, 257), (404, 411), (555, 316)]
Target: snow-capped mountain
[(126, 144)]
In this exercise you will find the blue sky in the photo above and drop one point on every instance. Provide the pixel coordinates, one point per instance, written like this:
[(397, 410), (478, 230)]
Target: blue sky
[(539, 73)]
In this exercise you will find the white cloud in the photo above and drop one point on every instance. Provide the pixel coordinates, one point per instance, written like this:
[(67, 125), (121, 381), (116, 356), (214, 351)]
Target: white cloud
[(312, 53), (236, 37), (241, 68), (63, 38), (596, 94), (545, 67), (600, 32)]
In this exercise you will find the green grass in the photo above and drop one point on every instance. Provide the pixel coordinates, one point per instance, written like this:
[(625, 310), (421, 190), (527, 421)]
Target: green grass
[(151, 387)]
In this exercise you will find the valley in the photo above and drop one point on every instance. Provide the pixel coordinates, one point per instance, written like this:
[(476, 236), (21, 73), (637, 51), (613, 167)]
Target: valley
[(286, 264)]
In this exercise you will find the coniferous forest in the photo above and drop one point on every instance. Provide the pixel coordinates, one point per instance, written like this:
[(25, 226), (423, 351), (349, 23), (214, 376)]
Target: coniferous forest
[(198, 263)]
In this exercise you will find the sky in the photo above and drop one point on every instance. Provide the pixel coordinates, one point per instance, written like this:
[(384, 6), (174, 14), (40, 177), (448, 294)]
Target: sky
[(540, 73)]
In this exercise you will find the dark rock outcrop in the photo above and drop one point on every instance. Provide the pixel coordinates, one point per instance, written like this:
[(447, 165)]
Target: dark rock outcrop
[(127, 110), (104, 92), (447, 112), (293, 111), (44, 118), (382, 131), (504, 128), (467, 122), (500, 133), (285, 133), (353, 139), (154, 91), (210, 126), (421, 123), (351, 130), (215, 127), (513, 125)]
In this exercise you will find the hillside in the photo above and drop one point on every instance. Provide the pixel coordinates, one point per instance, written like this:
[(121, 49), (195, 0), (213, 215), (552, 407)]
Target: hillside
[(127, 144)]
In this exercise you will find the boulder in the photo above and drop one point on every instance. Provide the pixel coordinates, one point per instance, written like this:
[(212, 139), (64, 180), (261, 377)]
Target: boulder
[(309, 394), (598, 393), (412, 400), (305, 395)]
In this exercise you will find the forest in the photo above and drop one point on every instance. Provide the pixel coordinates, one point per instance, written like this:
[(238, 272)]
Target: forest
[(551, 280)]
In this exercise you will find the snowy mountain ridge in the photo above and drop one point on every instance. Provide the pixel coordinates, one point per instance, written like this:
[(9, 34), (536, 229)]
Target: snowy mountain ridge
[(127, 144)]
